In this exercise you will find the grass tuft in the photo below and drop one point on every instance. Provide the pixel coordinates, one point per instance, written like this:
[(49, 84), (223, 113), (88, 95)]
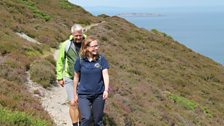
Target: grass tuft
[(19, 118), (65, 4), (186, 103), (189, 104), (35, 10)]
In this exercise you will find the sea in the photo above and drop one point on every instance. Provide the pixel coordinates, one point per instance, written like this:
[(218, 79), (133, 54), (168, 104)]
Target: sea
[(200, 29)]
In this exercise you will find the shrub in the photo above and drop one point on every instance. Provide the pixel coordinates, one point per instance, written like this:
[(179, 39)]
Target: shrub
[(186, 103), (14, 96), (35, 10), (31, 52), (6, 44), (65, 4), (108, 121), (103, 16), (19, 118), (167, 36), (42, 72), (155, 31), (206, 111), (84, 21), (42, 15), (50, 58), (104, 38), (13, 70), (161, 33), (189, 104)]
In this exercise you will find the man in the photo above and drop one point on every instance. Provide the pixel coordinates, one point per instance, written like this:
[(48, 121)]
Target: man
[(68, 52)]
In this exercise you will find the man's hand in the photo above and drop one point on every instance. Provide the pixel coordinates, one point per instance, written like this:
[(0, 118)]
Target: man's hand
[(61, 82)]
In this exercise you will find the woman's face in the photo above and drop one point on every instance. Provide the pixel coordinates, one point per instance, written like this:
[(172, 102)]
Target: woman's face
[(93, 47)]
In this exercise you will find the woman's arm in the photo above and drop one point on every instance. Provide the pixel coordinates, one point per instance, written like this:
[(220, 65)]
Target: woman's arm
[(75, 81), (106, 83)]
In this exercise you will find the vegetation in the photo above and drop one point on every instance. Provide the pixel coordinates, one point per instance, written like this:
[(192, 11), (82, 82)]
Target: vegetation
[(33, 8), (161, 33), (144, 66), (18, 107), (147, 64), (19, 118), (188, 104), (65, 4), (42, 72)]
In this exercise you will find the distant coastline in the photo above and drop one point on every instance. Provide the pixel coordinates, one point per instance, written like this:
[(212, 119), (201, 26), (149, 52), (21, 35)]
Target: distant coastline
[(139, 15)]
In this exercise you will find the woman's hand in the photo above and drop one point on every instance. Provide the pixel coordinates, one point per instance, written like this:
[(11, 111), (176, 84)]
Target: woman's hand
[(75, 82), (105, 95), (76, 99)]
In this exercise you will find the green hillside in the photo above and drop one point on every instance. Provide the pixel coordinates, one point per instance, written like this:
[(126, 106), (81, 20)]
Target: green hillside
[(155, 81)]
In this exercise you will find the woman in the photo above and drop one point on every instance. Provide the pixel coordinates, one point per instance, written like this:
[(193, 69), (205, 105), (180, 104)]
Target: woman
[(91, 71)]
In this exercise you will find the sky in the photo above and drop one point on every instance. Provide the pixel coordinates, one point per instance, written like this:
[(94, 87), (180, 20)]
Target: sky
[(148, 3)]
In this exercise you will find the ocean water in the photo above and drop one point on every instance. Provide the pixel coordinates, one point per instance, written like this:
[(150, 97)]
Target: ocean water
[(201, 29), (202, 32)]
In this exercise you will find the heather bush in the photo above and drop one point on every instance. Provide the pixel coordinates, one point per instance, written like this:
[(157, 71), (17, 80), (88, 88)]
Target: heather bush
[(7, 44), (19, 118), (42, 72), (13, 70), (108, 121), (65, 4), (15, 97), (51, 59), (84, 21)]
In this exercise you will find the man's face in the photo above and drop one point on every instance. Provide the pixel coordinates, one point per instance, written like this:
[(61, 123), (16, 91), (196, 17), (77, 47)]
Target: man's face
[(77, 36)]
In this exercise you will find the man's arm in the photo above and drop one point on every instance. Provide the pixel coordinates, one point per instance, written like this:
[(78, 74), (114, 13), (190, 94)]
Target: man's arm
[(60, 64)]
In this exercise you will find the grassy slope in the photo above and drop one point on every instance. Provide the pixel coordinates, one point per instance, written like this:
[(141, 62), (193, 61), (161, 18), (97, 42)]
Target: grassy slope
[(154, 79), (49, 23), (157, 81)]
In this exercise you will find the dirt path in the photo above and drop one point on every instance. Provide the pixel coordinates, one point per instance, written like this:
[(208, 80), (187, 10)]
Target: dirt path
[(53, 101), (92, 25), (26, 37)]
